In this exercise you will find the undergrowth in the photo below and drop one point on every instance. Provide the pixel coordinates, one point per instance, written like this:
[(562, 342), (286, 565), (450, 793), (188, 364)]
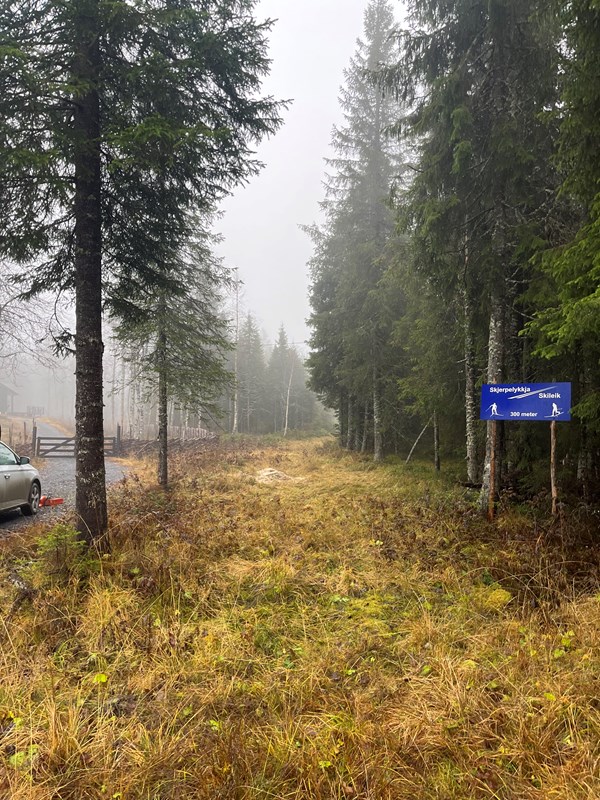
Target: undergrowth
[(348, 633)]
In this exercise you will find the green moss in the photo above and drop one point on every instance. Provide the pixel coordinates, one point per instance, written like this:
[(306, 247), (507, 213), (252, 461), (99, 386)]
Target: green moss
[(491, 598)]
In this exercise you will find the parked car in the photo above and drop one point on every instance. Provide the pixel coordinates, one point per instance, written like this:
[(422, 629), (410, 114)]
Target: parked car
[(20, 485)]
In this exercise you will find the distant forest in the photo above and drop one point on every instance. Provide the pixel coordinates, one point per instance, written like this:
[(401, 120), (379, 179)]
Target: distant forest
[(461, 241), (260, 388)]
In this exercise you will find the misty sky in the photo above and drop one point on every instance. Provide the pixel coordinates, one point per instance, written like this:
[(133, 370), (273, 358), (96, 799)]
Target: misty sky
[(311, 44)]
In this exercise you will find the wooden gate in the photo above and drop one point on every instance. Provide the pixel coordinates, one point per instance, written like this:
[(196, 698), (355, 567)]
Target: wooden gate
[(64, 446)]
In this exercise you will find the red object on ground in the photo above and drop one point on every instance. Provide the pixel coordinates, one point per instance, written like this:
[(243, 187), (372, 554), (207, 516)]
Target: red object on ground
[(51, 501)]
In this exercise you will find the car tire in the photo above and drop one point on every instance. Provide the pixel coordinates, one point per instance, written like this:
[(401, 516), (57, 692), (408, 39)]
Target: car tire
[(33, 504)]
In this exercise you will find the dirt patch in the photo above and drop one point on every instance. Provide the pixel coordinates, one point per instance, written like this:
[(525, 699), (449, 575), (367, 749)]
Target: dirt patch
[(271, 475)]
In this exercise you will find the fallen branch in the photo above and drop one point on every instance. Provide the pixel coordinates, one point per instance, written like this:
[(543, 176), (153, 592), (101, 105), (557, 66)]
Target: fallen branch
[(412, 449)]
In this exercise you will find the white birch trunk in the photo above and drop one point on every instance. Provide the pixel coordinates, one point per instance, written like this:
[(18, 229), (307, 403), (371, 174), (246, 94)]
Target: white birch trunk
[(377, 434), (113, 394), (163, 403), (236, 392), (495, 363), (287, 402), (123, 394)]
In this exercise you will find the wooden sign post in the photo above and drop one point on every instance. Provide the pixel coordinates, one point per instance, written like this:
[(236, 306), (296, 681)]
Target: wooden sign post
[(553, 486), (492, 495)]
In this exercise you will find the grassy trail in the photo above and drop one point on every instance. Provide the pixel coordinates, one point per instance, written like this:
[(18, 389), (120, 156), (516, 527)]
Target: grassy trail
[(347, 632)]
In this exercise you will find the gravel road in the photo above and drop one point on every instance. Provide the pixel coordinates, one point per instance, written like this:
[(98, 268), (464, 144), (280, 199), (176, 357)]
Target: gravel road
[(58, 480)]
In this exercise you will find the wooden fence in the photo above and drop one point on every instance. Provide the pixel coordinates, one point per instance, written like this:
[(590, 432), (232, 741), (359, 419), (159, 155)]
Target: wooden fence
[(64, 446)]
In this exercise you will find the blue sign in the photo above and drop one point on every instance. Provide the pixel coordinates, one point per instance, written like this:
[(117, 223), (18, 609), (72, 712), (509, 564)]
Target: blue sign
[(532, 402)]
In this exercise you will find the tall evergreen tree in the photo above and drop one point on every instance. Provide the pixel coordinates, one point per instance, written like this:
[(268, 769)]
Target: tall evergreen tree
[(479, 201), (251, 378), (567, 325), (114, 120), (279, 376), (349, 328), (291, 405), (180, 340)]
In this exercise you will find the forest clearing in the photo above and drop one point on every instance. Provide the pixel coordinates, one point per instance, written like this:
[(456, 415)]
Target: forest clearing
[(302, 615), (338, 630)]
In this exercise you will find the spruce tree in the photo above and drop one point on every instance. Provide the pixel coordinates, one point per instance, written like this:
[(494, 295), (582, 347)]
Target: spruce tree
[(180, 339), (291, 403), (349, 327), (251, 378), (478, 204), (279, 380), (116, 119), (567, 326)]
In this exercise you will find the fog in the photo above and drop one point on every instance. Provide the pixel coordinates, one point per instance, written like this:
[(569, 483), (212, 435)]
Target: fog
[(33, 381), (310, 45)]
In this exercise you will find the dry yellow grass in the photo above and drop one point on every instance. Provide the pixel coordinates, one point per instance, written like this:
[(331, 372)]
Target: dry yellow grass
[(13, 432), (360, 633)]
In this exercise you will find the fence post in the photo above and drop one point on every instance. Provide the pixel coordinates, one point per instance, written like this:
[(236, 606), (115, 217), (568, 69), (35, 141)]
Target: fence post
[(34, 441), (118, 441)]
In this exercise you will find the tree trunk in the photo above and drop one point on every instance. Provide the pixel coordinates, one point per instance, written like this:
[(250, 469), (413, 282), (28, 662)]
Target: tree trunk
[(343, 418), (501, 100), (358, 415), (92, 517), (139, 408), (471, 415), (350, 428), (248, 406), (584, 461), (511, 436), (365, 433), (163, 416), (377, 434), (122, 393), (236, 393), (584, 455), (287, 402), (417, 440), (436, 442), (113, 393), (495, 364)]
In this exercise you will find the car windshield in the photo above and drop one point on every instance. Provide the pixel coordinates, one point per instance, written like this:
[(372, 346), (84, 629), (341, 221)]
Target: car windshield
[(7, 457)]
